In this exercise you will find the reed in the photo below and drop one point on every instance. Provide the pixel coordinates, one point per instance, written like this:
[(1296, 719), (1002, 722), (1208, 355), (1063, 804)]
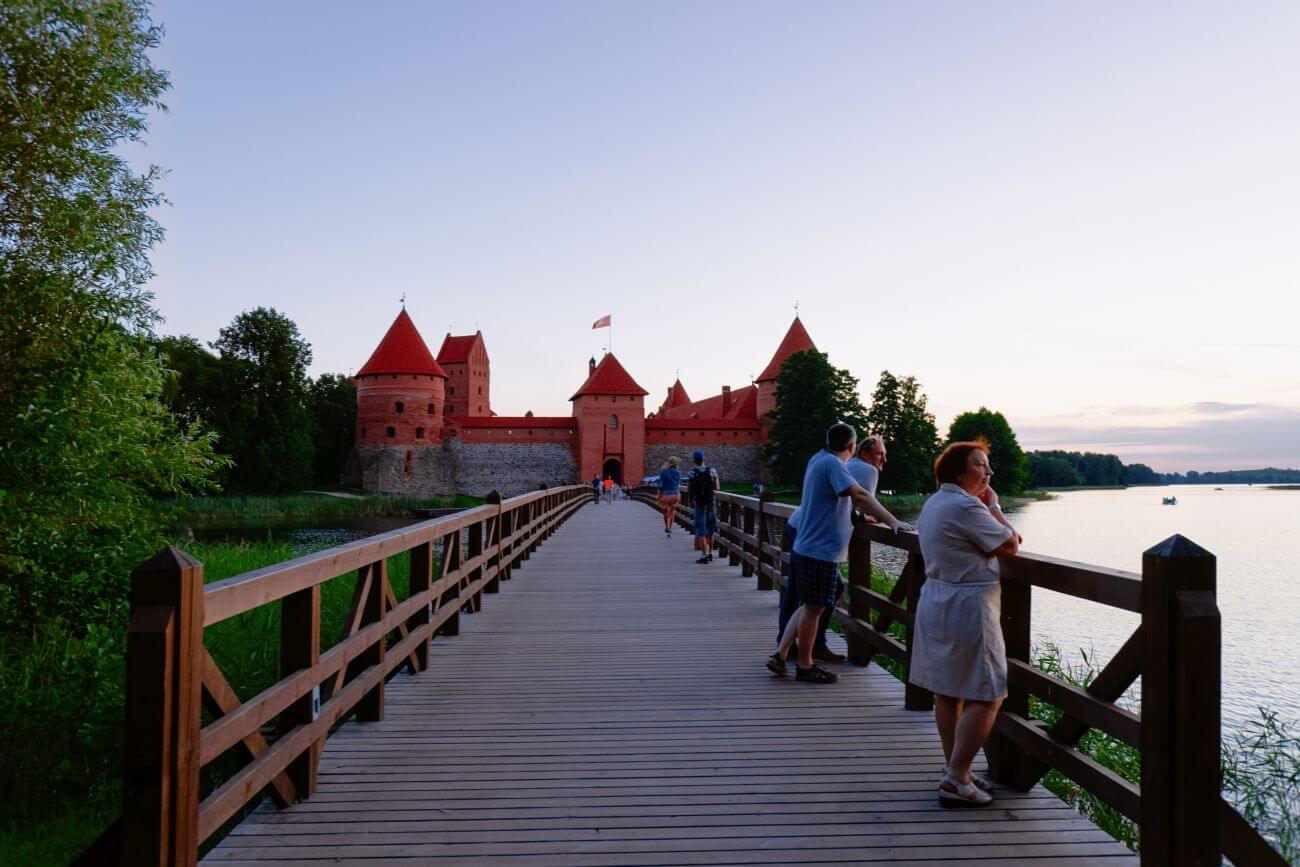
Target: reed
[(309, 505)]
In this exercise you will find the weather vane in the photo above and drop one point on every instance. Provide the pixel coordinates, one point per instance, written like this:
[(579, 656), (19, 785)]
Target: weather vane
[(403, 300), (796, 307)]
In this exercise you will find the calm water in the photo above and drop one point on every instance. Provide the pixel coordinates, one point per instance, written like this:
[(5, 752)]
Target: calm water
[(1253, 531)]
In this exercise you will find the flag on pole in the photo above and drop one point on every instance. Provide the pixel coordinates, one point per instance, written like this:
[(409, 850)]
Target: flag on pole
[(602, 322)]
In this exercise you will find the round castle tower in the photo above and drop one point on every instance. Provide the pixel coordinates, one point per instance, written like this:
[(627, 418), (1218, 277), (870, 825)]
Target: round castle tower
[(400, 390)]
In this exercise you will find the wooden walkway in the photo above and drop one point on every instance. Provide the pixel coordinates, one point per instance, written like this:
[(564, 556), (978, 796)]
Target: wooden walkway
[(610, 706)]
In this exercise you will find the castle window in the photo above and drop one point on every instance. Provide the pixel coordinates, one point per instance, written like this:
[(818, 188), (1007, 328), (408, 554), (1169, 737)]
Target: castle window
[(451, 390), (430, 409), (400, 406), (390, 432), (415, 376), (419, 433), (480, 389), (613, 422)]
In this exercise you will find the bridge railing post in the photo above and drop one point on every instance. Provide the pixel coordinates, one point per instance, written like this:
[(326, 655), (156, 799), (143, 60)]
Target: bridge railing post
[(766, 533), (299, 650), (746, 547), (914, 697), (1008, 763), (1180, 706), (370, 707), (160, 817)]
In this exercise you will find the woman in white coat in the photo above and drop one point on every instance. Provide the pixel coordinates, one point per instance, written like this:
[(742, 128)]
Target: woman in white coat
[(957, 647)]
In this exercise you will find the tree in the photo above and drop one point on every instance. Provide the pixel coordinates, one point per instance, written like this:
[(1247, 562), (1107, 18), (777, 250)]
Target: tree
[(1140, 474), (811, 395), (85, 441), (898, 413), (268, 430), (1052, 470), (334, 409), (1009, 464)]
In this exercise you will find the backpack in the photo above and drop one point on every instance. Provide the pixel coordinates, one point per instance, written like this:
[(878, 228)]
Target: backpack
[(700, 485)]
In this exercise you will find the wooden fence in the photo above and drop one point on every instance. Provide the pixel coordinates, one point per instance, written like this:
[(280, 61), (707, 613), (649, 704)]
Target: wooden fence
[(1180, 812), (171, 678)]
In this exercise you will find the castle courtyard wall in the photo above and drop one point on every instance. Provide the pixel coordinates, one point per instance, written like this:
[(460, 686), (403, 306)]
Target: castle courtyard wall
[(734, 463), (511, 468)]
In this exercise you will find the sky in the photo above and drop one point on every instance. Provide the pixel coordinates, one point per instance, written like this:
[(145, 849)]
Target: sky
[(1084, 215)]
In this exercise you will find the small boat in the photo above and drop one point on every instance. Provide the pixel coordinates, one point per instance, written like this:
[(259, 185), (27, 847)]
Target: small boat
[(1169, 501), (1218, 489)]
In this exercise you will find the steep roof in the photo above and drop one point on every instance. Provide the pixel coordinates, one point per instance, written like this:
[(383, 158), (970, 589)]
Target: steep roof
[(402, 351), (677, 396), (795, 340), (744, 405), (456, 350), (608, 378)]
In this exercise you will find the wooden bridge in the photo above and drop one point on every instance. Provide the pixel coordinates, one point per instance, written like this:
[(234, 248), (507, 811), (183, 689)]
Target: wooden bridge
[(601, 699)]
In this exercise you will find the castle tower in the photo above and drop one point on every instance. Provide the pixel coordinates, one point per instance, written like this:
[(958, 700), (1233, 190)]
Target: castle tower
[(610, 413), (796, 340), (400, 390), (465, 359)]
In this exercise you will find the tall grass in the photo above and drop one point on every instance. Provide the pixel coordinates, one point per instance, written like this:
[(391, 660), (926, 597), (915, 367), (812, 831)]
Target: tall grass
[(292, 506)]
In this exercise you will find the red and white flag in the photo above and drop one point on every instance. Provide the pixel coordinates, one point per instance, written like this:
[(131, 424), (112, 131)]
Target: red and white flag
[(602, 322)]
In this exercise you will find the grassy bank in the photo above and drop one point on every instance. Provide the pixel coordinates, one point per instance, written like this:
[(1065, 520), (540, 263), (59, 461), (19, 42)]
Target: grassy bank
[(310, 505)]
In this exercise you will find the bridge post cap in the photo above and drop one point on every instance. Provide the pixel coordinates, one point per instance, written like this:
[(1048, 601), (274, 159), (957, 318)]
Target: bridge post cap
[(493, 496), (167, 559), (1177, 545), (766, 496)]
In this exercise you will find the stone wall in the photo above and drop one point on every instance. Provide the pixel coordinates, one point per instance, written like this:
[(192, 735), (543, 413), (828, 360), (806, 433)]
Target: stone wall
[(734, 463), (511, 468), (385, 468)]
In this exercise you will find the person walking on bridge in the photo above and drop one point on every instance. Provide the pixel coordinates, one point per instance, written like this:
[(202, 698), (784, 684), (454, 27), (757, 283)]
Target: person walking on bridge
[(609, 490), (595, 487), (670, 492), (957, 647), (821, 543), (702, 485)]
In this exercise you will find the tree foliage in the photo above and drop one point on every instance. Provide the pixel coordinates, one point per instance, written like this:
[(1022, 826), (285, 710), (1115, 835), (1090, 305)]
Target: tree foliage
[(899, 414), (85, 441), (1010, 473), (334, 410), (811, 395)]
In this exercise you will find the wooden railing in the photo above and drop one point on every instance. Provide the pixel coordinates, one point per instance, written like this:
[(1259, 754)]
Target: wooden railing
[(171, 678), (1181, 815)]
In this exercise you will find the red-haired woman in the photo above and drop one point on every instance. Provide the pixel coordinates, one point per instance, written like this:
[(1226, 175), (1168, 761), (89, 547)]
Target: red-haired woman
[(957, 648)]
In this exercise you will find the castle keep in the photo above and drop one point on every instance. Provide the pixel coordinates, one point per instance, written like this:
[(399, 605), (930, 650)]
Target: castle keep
[(425, 424)]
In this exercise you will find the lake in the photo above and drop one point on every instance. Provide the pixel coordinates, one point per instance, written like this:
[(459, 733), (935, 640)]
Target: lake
[(1253, 531)]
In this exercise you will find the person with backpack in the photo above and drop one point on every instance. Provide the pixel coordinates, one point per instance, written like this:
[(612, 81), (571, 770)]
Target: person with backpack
[(702, 484)]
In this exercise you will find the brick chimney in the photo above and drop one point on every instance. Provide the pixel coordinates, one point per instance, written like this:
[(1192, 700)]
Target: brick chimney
[(726, 399)]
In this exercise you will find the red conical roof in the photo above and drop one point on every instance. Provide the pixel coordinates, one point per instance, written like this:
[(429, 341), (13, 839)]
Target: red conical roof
[(608, 378), (795, 340), (677, 396), (402, 351)]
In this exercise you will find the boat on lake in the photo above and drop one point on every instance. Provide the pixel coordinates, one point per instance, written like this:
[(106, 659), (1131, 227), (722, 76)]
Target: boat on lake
[(1169, 501)]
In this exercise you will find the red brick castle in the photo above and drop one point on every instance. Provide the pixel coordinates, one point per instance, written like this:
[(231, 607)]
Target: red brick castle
[(425, 424)]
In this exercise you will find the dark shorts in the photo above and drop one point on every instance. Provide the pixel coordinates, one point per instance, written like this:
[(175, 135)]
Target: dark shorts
[(817, 582), (706, 520)]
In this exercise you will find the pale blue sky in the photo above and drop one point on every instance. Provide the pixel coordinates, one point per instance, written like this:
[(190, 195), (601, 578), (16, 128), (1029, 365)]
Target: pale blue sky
[(1085, 215)]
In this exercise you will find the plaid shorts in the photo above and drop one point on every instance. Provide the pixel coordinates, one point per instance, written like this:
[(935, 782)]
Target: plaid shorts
[(816, 582)]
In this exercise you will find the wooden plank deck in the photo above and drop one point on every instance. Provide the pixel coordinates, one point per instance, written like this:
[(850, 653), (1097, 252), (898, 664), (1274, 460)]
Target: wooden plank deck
[(610, 706)]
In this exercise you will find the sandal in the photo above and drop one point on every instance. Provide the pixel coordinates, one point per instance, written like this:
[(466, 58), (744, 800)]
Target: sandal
[(776, 665), (976, 780), (816, 674), (955, 795)]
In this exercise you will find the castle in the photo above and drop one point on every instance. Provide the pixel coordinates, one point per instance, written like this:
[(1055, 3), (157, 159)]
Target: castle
[(425, 424)]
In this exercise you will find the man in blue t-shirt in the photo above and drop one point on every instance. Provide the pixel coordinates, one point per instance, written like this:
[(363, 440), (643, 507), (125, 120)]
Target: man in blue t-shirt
[(825, 524)]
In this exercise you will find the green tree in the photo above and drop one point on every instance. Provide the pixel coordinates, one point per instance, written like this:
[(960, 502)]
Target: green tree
[(1010, 473), (334, 410), (268, 431), (85, 441), (899, 414), (811, 395), (1048, 470)]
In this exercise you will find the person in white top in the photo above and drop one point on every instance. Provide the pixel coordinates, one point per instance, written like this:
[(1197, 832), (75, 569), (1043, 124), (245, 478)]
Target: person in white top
[(957, 647)]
